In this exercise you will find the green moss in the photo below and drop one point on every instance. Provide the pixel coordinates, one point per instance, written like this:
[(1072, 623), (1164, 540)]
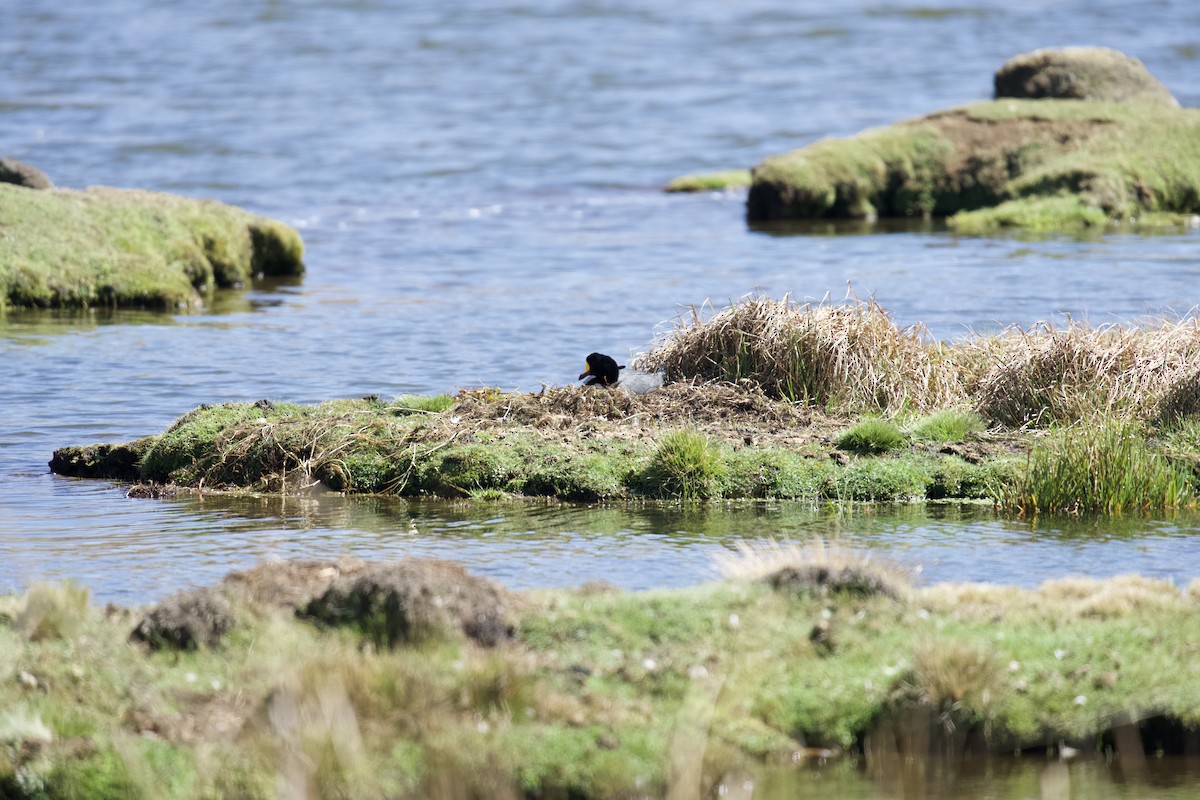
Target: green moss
[(711, 182), (878, 480), (775, 474), (1035, 164), (1035, 214), (885, 172), (952, 478), (554, 472), (132, 248)]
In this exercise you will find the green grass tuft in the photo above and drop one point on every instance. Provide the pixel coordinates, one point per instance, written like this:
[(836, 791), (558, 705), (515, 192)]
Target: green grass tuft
[(414, 402), (950, 425), (1105, 467), (686, 466), (872, 437)]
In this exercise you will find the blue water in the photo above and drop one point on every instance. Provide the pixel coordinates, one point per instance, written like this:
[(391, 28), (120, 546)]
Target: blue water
[(478, 184)]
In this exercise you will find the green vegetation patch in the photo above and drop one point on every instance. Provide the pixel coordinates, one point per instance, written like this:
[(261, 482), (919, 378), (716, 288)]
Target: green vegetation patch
[(1046, 164), (1106, 467), (115, 247), (948, 425), (711, 181), (871, 437), (765, 400), (590, 693)]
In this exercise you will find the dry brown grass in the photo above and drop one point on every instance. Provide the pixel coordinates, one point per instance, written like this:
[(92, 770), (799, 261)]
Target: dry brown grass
[(849, 356), (1046, 374), (1073, 597), (1119, 596), (852, 357), (958, 676), (815, 565)]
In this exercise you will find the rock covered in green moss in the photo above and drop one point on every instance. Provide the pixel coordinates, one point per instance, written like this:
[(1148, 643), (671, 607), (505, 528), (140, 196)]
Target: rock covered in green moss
[(1102, 142), (124, 247)]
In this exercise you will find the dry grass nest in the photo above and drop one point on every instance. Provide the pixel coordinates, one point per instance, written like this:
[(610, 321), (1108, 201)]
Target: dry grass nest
[(686, 403)]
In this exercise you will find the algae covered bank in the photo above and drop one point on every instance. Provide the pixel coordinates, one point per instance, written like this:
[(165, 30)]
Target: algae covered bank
[(1078, 137), (131, 248)]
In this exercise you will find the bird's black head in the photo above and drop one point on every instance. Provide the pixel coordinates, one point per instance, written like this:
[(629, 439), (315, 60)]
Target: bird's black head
[(602, 370)]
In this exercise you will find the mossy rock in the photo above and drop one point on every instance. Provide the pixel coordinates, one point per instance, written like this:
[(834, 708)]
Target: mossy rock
[(119, 247), (117, 461), (1120, 150)]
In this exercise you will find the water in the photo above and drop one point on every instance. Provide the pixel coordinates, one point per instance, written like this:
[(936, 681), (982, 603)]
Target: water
[(478, 187)]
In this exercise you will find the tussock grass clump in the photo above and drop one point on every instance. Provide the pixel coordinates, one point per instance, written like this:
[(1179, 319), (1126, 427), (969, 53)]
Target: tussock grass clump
[(1046, 375), (52, 611), (1181, 399), (186, 621), (1106, 467), (850, 356), (948, 425), (872, 436), (812, 567), (687, 466), (958, 677)]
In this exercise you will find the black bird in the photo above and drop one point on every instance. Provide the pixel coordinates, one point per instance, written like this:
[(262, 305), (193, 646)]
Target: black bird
[(601, 370)]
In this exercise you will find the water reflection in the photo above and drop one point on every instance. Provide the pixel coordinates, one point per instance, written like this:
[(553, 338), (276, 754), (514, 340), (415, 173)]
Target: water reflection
[(998, 777), (135, 550)]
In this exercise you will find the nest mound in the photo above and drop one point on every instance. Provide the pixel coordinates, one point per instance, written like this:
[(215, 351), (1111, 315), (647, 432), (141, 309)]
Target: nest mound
[(683, 403)]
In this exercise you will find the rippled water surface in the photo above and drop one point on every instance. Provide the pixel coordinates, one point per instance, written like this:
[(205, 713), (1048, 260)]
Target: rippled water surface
[(478, 187)]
